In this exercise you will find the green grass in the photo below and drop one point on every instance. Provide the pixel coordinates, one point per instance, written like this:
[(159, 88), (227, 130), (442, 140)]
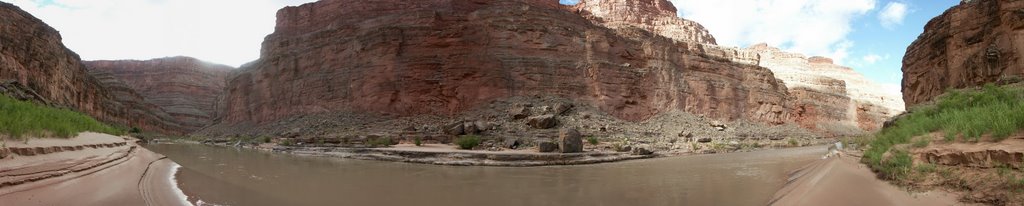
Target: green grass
[(921, 143), (20, 119), (592, 140), (964, 115), (468, 141), (925, 168)]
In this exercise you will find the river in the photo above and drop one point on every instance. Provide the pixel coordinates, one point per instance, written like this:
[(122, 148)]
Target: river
[(228, 176)]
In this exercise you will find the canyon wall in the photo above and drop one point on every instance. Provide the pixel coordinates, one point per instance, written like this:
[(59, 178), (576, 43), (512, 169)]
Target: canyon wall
[(446, 56), (31, 53), (657, 16), (186, 88), (972, 44), (827, 94)]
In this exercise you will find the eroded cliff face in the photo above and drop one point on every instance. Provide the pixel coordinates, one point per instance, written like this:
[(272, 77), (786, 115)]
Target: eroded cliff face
[(975, 43), (827, 93), (186, 88), (32, 54), (657, 16), (446, 56)]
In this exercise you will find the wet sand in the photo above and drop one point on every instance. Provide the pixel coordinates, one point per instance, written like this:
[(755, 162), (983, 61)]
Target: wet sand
[(844, 181), (117, 172)]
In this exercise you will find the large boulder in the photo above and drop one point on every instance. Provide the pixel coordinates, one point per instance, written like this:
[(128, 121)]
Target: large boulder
[(641, 151), (512, 143), (519, 112), (543, 121), (547, 146), (470, 128), (570, 141), (455, 129)]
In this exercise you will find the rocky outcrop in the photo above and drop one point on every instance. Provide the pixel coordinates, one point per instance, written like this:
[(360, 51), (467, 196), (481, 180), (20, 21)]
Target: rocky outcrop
[(31, 53), (446, 56), (186, 88), (570, 141), (972, 44), (829, 94), (658, 16)]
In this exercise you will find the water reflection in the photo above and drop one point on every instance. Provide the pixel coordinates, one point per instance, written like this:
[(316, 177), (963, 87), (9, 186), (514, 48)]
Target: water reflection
[(243, 177)]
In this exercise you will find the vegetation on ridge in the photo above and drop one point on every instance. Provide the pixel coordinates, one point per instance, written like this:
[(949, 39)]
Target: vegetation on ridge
[(19, 119), (966, 114)]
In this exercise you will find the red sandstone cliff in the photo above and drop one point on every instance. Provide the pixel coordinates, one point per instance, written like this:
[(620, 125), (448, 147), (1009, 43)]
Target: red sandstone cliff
[(657, 16), (972, 44), (446, 56), (32, 54), (186, 88)]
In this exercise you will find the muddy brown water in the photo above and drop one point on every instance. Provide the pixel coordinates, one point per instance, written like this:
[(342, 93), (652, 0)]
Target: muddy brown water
[(227, 176)]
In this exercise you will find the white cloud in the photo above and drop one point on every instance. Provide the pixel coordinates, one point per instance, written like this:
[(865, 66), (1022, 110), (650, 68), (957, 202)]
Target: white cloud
[(871, 58), (892, 15), (812, 27), (221, 31)]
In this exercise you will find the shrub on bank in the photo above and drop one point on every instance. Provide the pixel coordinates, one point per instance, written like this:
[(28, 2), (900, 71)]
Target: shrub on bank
[(468, 141), (968, 115), (19, 119), (380, 142)]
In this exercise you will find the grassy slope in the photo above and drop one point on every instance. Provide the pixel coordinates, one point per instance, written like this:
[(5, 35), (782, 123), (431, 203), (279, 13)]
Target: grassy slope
[(20, 119), (966, 115)]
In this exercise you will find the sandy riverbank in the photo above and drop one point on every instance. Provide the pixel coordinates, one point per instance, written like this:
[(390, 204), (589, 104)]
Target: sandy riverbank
[(91, 169), (844, 181)]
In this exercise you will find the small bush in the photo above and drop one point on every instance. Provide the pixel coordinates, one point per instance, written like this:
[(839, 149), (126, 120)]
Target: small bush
[(468, 141), (265, 139), (380, 142), (418, 142), (135, 130), (592, 140), (793, 142), (897, 166)]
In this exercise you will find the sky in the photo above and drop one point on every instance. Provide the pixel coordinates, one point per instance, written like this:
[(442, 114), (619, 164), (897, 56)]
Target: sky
[(870, 36)]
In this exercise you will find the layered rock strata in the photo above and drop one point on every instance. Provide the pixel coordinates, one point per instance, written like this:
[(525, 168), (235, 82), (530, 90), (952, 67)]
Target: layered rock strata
[(828, 92), (186, 88), (657, 16), (972, 44), (446, 56)]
